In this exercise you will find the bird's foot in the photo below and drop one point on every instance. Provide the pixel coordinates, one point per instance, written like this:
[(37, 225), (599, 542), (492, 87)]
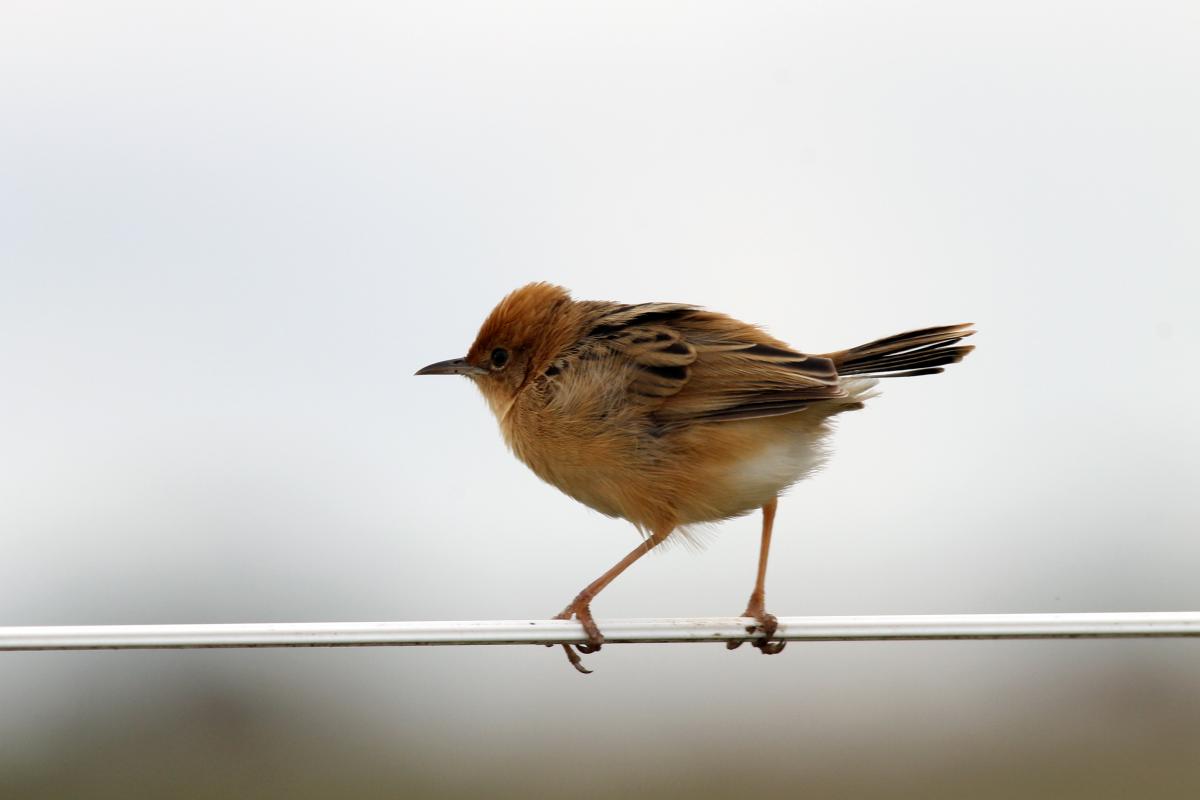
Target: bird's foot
[(767, 625), (581, 610)]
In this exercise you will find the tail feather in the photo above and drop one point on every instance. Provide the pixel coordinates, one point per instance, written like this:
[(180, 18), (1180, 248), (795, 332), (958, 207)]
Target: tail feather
[(921, 352)]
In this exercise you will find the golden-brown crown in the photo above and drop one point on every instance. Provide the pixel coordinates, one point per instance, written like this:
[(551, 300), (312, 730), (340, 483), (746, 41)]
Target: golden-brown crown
[(523, 319)]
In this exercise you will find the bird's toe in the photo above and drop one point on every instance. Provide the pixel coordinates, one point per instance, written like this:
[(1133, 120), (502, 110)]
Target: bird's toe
[(767, 625), (580, 610)]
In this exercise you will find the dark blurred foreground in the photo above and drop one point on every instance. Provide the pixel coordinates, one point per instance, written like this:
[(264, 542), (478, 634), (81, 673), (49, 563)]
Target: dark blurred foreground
[(1114, 733)]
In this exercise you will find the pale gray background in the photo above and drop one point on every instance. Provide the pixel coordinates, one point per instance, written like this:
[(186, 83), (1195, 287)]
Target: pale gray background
[(230, 232)]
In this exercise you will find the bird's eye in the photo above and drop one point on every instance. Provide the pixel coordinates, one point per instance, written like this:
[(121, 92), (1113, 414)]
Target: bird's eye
[(499, 358)]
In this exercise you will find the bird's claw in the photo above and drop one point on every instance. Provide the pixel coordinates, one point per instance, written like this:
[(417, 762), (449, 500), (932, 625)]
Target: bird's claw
[(767, 625), (581, 611), (575, 660)]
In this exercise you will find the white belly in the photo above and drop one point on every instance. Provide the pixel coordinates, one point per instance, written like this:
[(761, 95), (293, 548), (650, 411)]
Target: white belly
[(776, 467), (756, 480)]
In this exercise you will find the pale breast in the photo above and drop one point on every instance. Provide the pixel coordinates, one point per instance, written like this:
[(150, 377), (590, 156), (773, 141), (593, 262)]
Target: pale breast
[(605, 469)]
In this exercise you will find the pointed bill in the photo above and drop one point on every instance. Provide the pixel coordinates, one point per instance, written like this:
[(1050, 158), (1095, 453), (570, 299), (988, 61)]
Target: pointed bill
[(455, 366)]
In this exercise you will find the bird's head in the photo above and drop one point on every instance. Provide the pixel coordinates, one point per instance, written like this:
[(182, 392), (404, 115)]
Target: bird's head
[(516, 342)]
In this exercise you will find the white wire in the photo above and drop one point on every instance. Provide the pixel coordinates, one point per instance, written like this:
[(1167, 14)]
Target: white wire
[(712, 629)]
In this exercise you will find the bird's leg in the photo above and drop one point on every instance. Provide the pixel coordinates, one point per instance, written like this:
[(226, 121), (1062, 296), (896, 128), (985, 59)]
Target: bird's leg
[(581, 607), (767, 623)]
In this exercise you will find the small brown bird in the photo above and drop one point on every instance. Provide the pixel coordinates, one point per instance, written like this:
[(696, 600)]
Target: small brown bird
[(669, 415)]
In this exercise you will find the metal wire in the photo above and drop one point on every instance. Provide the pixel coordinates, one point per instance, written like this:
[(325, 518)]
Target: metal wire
[(712, 629)]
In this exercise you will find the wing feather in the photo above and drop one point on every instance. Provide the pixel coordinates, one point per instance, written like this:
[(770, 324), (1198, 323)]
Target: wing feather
[(688, 366)]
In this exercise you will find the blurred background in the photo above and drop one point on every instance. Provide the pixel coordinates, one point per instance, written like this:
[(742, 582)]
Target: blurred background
[(232, 231)]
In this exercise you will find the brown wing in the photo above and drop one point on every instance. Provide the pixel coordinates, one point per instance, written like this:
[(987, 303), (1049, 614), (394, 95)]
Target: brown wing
[(688, 365)]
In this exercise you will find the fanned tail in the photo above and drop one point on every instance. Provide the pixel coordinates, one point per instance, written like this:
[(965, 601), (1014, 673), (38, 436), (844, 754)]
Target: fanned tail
[(920, 352)]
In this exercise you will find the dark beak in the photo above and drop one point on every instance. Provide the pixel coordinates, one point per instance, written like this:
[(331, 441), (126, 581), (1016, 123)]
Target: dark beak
[(455, 366)]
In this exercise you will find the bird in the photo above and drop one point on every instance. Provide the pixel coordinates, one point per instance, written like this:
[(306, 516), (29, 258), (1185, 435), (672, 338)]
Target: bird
[(669, 415)]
